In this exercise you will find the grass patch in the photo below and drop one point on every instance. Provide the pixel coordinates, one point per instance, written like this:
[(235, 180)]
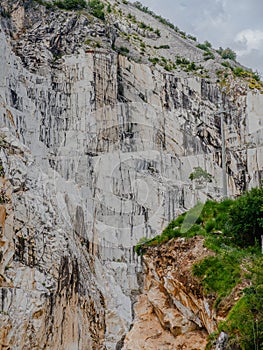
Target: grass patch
[(244, 323), (203, 219), (230, 229), (220, 222), (219, 274)]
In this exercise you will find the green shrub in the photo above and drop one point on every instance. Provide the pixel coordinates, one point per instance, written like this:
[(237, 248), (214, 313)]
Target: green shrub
[(192, 66), (227, 65), (168, 67), (131, 17), (123, 50), (45, 3), (227, 53), (208, 55), (139, 249), (210, 225), (2, 172), (232, 223), (4, 13), (229, 227), (157, 32), (244, 323), (154, 60), (142, 25), (200, 175), (191, 37), (162, 47), (256, 76), (182, 61), (246, 218), (206, 46), (71, 4), (202, 47), (238, 71), (182, 33), (109, 10), (194, 230), (96, 8)]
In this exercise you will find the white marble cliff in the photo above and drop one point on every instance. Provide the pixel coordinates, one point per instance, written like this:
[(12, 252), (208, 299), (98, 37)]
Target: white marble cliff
[(97, 146)]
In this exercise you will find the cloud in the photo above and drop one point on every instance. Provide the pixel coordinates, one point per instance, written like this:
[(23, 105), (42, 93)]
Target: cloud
[(249, 40)]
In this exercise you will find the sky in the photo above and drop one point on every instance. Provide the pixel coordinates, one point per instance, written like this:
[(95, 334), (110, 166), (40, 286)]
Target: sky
[(225, 23)]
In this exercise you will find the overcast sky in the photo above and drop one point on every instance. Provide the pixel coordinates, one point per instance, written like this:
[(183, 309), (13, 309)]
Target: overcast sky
[(226, 23)]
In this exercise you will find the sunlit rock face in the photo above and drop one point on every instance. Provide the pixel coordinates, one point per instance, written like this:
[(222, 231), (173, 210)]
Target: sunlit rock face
[(97, 150), (172, 311)]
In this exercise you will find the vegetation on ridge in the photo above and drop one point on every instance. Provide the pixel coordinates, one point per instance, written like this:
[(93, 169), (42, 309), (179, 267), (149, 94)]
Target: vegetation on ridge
[(227, 53), (232, 229), (237, 223), (162, 20), (95, 7), (252, 78), (70, 4), (140, 50)]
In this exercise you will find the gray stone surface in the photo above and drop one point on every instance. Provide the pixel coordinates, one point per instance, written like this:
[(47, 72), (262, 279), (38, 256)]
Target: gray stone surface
[(98, 152)]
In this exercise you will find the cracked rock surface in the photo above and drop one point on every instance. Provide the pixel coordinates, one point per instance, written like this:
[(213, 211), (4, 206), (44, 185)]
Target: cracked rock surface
[(96, 150)]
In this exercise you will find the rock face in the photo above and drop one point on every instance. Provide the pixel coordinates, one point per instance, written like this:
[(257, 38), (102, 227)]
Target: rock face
[(172, 312), (97, 149), (44, 301)]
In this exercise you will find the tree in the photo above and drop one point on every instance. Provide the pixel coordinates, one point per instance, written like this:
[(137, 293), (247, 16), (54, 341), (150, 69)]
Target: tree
[(227, 53), (208, 44), (97, 9), (200, 175), (245, 222), (71, 4)]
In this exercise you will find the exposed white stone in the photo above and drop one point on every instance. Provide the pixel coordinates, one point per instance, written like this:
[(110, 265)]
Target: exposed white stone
[(97, 152)]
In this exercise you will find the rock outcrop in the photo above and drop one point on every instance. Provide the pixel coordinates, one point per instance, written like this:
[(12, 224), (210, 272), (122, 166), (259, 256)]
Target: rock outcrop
[(96, 150), (44, 302), (172, 311)]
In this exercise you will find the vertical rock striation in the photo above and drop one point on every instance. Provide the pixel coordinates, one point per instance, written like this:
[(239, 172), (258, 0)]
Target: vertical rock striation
[(97, 150)]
